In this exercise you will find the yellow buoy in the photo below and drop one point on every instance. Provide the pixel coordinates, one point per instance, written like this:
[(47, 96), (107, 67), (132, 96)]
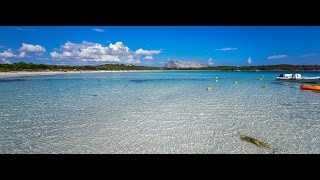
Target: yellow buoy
[(209, 88), (261, 79)]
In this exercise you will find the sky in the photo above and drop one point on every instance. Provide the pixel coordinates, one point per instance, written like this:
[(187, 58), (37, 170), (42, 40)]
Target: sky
[(156, 45)]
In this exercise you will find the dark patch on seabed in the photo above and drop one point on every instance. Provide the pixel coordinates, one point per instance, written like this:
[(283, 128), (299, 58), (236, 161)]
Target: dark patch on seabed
[(155, 80), (10, 80), (286, 104)]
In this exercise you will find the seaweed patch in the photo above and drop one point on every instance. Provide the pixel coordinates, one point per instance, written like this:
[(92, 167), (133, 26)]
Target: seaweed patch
[(10, 80), (255, 142)]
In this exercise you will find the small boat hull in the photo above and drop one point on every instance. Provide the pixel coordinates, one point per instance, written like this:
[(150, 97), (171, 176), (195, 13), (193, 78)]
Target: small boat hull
[(310, 87), (302, 80), (298, 78)]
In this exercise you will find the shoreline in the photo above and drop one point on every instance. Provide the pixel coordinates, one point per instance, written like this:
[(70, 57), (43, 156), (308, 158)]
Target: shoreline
[(46, 73)]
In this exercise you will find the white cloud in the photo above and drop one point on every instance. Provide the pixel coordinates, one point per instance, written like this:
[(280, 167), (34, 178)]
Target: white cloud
[(281, 56), (5, 61), (149, 58), (162, 62), (32, 48), (249, 60), (88, 51), (7, 54), (21, 55), (136, 61), (25, 48), (10, 54), (210, 63), (147, 52), (227, 49), (118, 48), (25, 29), (98, 29)]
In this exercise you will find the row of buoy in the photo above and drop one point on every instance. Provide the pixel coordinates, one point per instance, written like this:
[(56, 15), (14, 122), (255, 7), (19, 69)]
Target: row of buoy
[(265, 85), (236, 82), (209, 88)]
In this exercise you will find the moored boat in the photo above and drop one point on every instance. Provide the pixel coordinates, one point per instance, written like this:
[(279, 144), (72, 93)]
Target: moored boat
[(298, 78)]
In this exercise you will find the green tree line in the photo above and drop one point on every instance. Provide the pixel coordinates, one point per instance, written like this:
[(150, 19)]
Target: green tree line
[(22, 66)]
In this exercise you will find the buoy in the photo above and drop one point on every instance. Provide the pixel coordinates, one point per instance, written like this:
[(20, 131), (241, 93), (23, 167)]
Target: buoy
[(236, 82), (209, 88), (265, 85), (216, 80), (216, 77), (261, 79)]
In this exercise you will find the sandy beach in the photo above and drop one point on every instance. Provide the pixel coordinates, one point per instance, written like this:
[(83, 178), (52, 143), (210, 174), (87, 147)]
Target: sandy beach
[(46, 73), (40, 73)]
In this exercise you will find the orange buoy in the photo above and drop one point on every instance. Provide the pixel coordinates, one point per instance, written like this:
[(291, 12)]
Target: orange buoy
[(310, 87)]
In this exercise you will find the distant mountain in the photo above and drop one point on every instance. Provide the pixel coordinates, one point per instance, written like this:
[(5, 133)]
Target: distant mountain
[(175, 64)]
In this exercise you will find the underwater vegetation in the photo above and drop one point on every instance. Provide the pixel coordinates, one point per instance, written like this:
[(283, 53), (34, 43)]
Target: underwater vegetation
[(255, 142)]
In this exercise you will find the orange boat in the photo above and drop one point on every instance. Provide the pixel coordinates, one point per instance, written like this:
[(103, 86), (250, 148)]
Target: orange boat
[(310, 87)]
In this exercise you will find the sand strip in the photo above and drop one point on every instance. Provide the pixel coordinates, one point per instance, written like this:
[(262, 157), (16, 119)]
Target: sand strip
[(40, 73)]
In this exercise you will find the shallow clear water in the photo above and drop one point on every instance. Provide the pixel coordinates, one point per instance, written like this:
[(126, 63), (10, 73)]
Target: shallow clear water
[(157, 112)]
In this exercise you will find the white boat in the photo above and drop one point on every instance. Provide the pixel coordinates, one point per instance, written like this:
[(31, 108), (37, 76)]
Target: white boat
[(298, 78)]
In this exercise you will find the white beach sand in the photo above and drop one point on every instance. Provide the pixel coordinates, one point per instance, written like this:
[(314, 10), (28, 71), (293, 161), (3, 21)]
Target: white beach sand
[(23, 73)]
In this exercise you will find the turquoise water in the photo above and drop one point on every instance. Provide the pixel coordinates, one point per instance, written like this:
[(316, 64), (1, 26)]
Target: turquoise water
[(157, 112)]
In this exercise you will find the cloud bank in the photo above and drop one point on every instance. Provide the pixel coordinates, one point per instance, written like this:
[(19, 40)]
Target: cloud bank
[(113, 53), (227, 49), (25, 49), (281, 56), (98, 29)]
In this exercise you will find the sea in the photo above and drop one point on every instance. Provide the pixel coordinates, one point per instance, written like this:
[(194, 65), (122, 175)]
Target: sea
[(158, 112)]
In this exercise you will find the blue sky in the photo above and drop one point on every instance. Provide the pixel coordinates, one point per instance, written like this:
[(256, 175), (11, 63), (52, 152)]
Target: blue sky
[(156, 45)]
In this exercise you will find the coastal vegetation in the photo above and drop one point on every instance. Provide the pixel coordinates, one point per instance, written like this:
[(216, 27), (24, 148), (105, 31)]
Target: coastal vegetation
[(22, 66)]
